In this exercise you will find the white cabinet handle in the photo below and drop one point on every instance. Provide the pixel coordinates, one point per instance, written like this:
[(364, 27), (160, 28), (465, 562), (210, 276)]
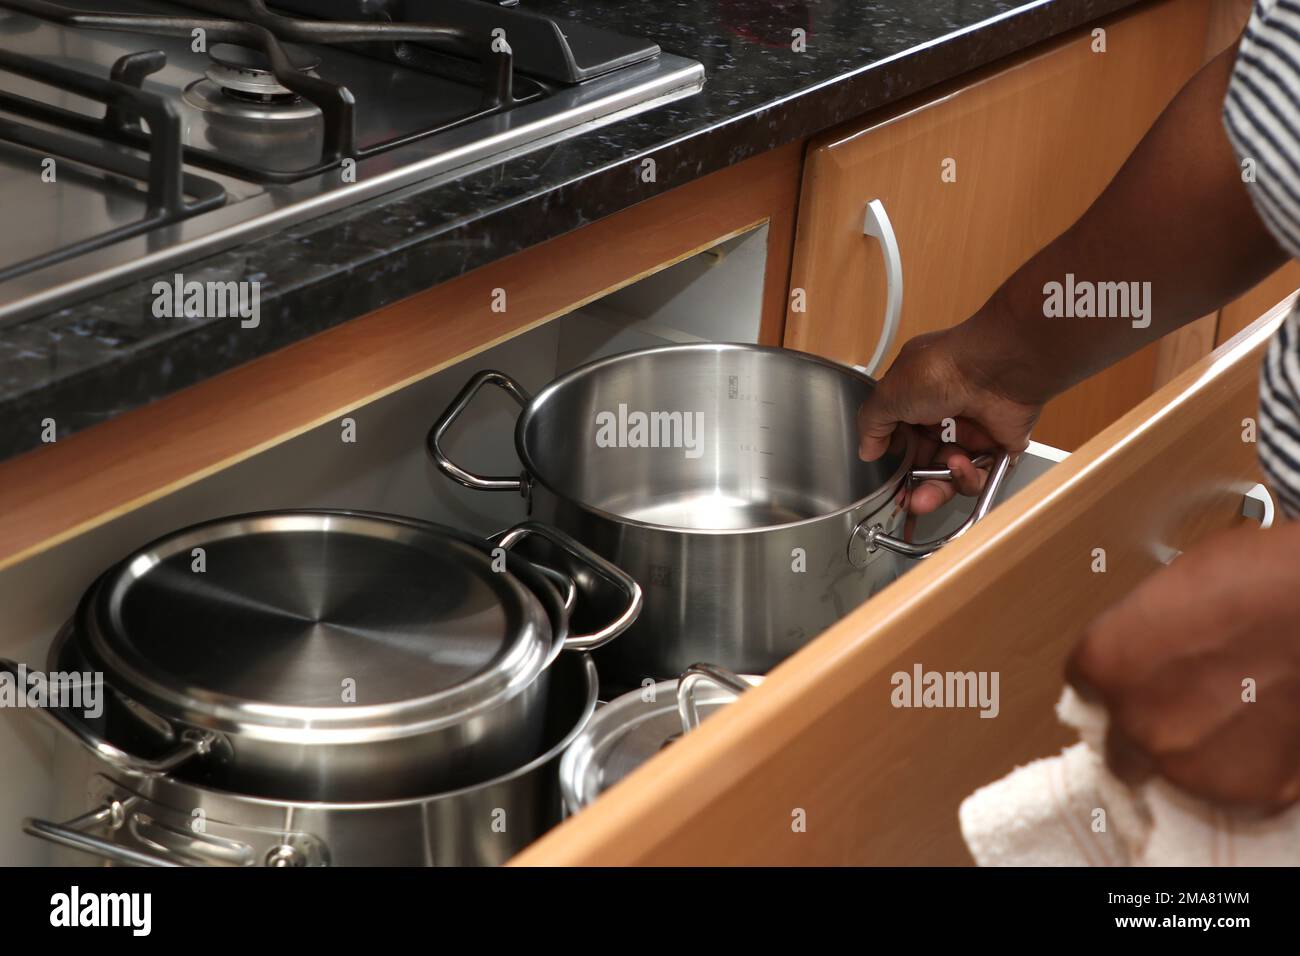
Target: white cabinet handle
[(876, 223), (1258, 504)]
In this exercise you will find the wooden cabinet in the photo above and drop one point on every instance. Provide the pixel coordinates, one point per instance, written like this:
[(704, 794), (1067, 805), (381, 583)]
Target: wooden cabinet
[(820, 742), (1237, 315), (1180, 349), (65, 489), (1183, 347), (975, 179)]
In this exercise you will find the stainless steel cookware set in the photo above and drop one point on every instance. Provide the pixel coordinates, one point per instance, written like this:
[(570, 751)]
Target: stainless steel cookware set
[(332, 687), (338, 669)]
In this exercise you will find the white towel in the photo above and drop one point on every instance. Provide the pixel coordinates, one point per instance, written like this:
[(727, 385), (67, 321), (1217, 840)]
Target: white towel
[(1069, 810)]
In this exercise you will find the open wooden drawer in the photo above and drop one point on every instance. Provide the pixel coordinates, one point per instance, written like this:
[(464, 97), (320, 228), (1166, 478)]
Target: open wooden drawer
[(817, 767)]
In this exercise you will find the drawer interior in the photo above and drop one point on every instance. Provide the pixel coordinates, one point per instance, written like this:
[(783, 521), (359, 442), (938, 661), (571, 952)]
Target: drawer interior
[(711, 296)]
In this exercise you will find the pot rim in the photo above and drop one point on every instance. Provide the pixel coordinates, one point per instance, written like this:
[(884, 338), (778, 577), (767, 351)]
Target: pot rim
[(866, 504), (525, 662)]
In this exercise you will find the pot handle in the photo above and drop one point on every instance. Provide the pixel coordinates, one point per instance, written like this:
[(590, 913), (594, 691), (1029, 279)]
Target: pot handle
[(73, 834), (696, 674), (866, 539), (564, 584), (610, 572), (448, 418), (193, 742)]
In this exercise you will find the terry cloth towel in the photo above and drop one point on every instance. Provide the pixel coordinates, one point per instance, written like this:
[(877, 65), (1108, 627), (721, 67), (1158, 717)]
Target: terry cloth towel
[(1069, 810)]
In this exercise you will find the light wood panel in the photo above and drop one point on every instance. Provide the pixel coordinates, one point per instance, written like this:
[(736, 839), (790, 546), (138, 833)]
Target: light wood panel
[(1237, 315), (1034, 144), (881, 785), (780, 202), (1180, 349), (60, 490)]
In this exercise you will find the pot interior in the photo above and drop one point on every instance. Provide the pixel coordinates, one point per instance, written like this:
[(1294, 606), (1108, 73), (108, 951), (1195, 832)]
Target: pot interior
[(704, 437)]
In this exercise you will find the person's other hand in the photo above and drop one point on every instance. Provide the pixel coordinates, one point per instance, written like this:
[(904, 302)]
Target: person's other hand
[(1170, 659)]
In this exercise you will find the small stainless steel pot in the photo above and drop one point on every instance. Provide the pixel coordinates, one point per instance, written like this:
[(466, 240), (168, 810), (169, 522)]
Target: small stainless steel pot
[(740, 504), (631, 729), (325, 655), (157, 820)]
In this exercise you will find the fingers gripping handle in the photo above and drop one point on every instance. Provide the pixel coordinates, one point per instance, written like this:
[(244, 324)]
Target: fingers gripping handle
[(870, 536)]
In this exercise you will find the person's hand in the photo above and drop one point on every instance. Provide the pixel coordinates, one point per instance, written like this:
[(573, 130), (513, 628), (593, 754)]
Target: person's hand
[(930, 381), (1169, 662)]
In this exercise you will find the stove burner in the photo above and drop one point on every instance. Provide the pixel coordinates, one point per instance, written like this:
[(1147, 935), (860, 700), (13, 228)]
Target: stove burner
[(238, 84), (245, 73)]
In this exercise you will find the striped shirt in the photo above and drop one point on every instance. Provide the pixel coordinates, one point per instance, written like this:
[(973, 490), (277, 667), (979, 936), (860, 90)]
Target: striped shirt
[(1262, 117)]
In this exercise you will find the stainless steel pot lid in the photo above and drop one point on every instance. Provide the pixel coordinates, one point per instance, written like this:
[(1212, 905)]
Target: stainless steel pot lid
[(314, 626), (629, 730)]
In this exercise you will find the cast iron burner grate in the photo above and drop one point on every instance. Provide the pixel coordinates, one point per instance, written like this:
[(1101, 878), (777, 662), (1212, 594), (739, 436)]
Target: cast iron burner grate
[(442, 49), (126, 104)]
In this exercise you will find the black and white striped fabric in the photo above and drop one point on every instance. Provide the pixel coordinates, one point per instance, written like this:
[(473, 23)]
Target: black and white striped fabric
[(1262, 116)]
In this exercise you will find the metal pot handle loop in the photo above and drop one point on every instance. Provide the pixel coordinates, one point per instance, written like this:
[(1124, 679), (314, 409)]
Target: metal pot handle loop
[(605, 569), (75, 834), (564, 584), (192, 742), (866, 539), (697, 674), (458, 405)]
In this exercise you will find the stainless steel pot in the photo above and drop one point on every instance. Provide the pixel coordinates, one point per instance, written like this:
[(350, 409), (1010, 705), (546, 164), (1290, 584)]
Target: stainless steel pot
[(631, 729), (325, 655), (157, 820), (736, 498)]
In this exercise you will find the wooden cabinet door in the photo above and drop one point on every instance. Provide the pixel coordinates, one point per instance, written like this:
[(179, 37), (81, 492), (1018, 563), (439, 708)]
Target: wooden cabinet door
[(816, 766), (1236, 315), (977, 178)]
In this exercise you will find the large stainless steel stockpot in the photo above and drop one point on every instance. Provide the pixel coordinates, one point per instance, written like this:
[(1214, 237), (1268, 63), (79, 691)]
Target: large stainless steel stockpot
[(325, 655), (724, 478), (157, 820)]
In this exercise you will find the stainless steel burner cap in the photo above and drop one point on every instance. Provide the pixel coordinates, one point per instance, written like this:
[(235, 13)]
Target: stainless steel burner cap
[(246, 72)]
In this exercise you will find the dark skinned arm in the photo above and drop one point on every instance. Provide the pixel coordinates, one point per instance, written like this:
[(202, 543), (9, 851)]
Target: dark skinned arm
[(1176, 215)]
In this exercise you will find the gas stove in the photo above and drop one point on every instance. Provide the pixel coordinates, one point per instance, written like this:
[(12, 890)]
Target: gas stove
[(136, 134)]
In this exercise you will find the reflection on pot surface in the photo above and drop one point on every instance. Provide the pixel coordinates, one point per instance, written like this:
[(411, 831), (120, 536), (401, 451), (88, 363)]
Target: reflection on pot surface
[(751, 531)]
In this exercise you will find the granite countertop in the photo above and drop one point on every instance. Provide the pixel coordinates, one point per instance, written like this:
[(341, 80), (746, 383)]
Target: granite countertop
[(92, 361)]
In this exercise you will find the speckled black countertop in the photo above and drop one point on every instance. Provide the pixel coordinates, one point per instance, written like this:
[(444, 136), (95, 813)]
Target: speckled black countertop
[(95, 360)]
